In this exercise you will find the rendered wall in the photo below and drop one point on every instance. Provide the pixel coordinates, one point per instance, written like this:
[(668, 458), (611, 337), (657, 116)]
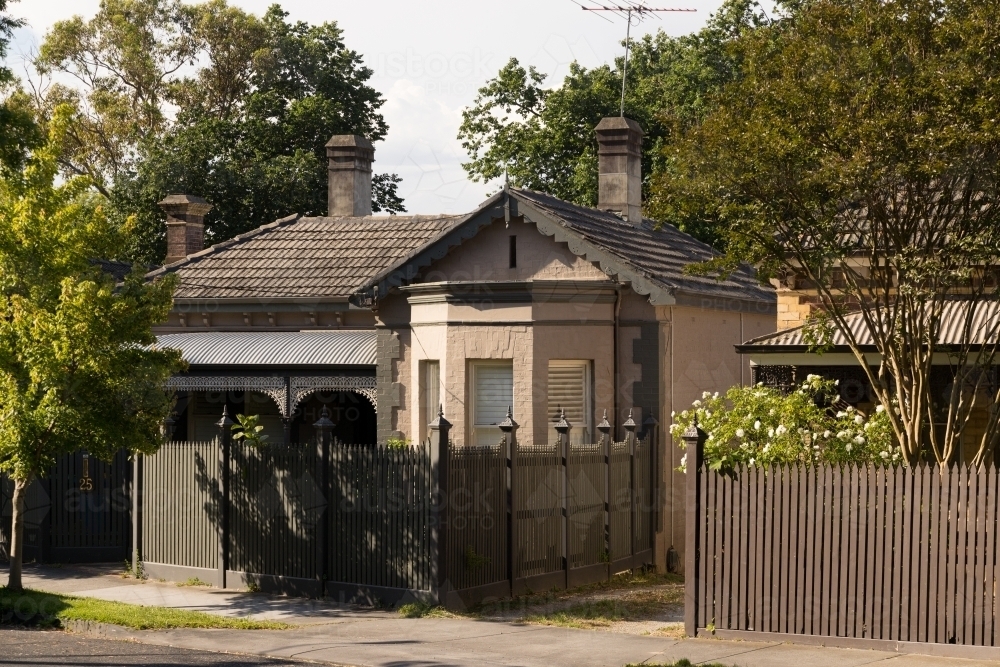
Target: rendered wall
[(486, 257), (698, 355)]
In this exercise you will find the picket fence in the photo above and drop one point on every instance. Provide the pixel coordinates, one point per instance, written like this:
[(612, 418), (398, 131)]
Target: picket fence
[(890, 557), (438, 523)]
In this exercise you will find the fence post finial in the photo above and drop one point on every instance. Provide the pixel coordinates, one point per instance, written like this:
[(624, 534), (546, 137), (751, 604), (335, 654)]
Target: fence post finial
[(562, 426), (226, 422), (508, 424), (323, 425), (629, 424), (605, 426)]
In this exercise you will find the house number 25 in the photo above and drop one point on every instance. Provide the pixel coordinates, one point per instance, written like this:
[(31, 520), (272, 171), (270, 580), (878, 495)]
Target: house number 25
[(86, 483)]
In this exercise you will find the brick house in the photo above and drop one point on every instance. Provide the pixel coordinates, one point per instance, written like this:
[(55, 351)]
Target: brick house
[(527, 301)]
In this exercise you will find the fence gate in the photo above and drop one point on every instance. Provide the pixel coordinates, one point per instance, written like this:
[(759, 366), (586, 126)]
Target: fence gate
[(79, 513)]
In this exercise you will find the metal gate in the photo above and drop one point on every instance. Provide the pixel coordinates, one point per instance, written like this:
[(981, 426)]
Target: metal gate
[(79, 513)]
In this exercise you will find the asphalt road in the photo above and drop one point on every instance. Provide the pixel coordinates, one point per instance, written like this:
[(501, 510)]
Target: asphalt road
[(53, 647)]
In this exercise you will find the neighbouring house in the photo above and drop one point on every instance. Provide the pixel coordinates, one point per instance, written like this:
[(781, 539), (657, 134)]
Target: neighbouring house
[(784, 358), (527, 302)]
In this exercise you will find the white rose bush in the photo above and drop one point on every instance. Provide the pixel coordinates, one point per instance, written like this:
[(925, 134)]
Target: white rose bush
[(762, 426)]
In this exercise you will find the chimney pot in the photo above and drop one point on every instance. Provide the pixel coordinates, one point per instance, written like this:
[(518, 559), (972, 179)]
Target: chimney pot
[(619, 156), (185, 225), (350, 185)]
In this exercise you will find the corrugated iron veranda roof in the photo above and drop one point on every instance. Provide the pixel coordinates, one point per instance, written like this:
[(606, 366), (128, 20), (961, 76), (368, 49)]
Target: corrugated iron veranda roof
[(274, 348), (983, 330)]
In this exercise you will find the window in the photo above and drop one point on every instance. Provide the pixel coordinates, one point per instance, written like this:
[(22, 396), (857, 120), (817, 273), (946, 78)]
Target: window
[(430, 394), (491, 385), (513, 252), (569, 390)]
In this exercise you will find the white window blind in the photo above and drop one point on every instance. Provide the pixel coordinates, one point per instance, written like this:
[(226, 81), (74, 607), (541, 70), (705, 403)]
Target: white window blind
[(569, 390), (492, 393)]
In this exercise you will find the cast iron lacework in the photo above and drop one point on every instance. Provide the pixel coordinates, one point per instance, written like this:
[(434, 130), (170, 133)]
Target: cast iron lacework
[(774, 377), (272, 386), (303, 387)]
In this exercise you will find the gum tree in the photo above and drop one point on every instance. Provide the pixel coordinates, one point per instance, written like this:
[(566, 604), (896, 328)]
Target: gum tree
[(76, 367), (857, 157)]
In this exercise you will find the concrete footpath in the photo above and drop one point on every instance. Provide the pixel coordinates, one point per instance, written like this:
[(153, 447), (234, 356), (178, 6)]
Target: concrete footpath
[(341, 635)]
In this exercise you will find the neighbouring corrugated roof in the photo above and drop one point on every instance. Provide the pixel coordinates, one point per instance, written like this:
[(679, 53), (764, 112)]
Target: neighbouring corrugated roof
[(983, 330), (300, 257), (274, 348)]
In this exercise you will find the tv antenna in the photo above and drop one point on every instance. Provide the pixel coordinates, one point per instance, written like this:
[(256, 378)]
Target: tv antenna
[(630, 11)]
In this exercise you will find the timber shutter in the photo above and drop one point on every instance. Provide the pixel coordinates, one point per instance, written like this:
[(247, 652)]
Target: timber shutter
[(569, 390)]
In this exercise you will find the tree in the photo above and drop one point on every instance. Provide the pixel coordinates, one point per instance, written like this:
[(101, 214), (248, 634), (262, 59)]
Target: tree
[(77, 369), (857, 156), (18, 132), (544, 138), (210, 100)]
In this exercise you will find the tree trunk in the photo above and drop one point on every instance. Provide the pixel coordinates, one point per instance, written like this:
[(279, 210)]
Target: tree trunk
[(17, 534)]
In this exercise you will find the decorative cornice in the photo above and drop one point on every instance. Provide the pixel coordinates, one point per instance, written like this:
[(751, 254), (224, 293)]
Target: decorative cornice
[(514, 291)]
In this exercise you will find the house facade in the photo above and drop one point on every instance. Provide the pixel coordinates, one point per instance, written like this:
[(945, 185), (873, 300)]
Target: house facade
[(528, 302)]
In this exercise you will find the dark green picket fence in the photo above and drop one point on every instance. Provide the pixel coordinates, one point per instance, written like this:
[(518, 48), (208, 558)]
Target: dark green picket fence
[(366, 523)]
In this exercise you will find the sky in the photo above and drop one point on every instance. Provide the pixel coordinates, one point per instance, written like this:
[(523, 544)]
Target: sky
[(429, 58)]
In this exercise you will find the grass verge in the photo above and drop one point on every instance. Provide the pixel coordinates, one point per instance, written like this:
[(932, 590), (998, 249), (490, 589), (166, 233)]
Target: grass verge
[(683, 662), (36, 608), (625, 598), (421, 610)]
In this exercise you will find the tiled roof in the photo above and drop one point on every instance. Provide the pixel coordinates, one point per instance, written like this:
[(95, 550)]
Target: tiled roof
[(314, 258), (300, 257), (659, 253)]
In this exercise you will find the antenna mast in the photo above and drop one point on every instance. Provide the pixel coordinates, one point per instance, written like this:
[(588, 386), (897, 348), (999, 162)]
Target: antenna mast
[(629, 10)]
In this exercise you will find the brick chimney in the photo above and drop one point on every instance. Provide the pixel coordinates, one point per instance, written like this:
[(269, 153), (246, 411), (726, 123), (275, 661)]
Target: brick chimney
[(350, 190), (619, 156), (185, 225)]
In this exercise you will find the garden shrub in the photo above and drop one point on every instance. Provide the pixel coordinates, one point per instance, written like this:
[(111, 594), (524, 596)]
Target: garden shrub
[(763, 426)]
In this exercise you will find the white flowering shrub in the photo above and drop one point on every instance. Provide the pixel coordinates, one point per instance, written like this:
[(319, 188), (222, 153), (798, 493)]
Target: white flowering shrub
[(761, 426)]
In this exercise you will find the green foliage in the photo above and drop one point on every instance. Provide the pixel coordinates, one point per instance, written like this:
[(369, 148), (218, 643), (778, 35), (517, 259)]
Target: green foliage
[(18, 132), (248, 429), (474, 561), (419, 610), (397, 443), (763, 426), (858, 153), (77, 365), (250, 123), (544, 137)]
